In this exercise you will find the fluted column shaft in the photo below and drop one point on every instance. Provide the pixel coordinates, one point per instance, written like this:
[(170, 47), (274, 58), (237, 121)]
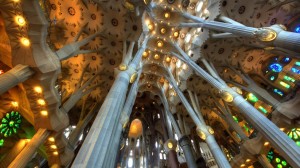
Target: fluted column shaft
[(186, 146), (99, 145), (279, 140), (13, 77), (26, 154), (264, 161), (214, 147), (126, 112), (283, 39)]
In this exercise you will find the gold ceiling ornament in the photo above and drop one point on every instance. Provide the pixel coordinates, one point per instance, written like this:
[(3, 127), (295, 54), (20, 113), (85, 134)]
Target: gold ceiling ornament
[(168, 59), (170, 144), (145, 54), (163, 30), (133, 77), (167, 15), (129, 6), (265, 34), (160, 43), (122, 67), (201, 134), (210, 130), (226, 96), (283, 27), (150, 26), (156, 56), (176, 34), (20, 20), (238, 90)]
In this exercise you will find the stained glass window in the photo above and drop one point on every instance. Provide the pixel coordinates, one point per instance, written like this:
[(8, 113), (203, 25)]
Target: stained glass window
[(10, 123), (276, 160), (294, 134), (275, 67), (279, 92), (251, 97), (297, 29), (284, 84), (287, 78)]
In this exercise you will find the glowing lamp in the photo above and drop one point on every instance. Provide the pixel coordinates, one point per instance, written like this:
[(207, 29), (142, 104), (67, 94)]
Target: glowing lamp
[(170, 145), (266, 143), (41, 102), (14, 104), (44, 113), (25, 41), (176, 34), (53, 147), (38, 89), (51, 139), (167, 15), (168, 59), (55, 153), (160, 44), (248, 160), (20, 20), (136, 128), (156, 56)]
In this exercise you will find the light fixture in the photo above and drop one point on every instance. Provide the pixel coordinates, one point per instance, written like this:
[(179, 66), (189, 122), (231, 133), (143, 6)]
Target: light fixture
[(160, 44), (145, 54), (25, 41), (170, 145), (44, 113), (168, 59), (226, 96), (38, 89), (14, 104), (243, 165), (167, 15), (176, 34), (51, 139), (55, 153), (41, 102), (20, 20), (156, 56), (248, 160), (163, 30), (150, 26), (266, 143), (53, 147)]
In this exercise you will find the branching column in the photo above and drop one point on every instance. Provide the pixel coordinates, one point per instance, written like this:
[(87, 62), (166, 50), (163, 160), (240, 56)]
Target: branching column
[(275, 34), (13, 77), (279, 140), (184, 141), (26, 154), (97, 147), (210, 140)]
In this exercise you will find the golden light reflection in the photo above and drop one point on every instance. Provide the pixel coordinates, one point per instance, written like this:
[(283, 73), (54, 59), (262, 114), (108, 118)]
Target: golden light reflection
[(20, 20), (41, 102), (38, 89), (136, 128), (25, 41)]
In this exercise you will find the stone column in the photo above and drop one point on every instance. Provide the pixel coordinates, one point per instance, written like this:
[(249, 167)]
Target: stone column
[(210, 140), (264, 161), (186, 146), (275, 35), (26, 154), (13, 77), (97, 148), (172, 159), (279, 140)]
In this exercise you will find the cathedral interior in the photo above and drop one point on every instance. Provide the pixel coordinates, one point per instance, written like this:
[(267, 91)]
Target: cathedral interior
[(150, 83)]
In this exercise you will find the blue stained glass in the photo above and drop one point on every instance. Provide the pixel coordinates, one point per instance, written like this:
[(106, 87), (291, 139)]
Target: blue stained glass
[(272, 78), (286, 59), (297, 29), (295, 70), (279, 92), (275, 67)]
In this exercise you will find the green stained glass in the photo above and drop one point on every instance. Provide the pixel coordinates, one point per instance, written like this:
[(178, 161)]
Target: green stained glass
[(1, 142), (10, 123), (279, 166), (235, 119), (277, 160), (297, 63), (251, 97), (262, 109), (287, 78), (284, 163)]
